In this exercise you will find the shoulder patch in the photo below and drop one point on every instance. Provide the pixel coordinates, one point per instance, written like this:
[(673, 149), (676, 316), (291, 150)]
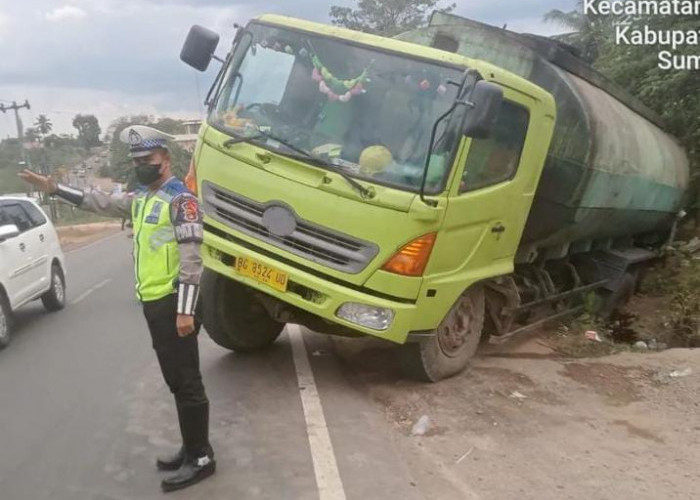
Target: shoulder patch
[(185, 208), (187, 218)]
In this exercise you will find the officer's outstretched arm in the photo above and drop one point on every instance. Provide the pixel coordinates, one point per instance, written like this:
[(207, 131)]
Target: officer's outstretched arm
[(93, 201), (109, 205), (186, 217)]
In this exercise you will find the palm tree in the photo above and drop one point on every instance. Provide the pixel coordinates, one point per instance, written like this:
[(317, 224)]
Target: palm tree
[(43, 125), (589, 31)]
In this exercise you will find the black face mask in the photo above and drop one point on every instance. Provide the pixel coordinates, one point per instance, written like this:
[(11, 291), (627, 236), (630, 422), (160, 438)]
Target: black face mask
[(148, 174)]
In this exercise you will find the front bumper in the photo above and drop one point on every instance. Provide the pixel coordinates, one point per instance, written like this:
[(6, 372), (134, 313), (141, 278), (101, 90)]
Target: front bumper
[(307, 291)]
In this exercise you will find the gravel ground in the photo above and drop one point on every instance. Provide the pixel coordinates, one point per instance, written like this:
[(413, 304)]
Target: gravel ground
[(523, 422)]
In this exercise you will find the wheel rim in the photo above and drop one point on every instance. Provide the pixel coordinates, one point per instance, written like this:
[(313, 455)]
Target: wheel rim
[(58, 290), (4, 327), (457, 328)]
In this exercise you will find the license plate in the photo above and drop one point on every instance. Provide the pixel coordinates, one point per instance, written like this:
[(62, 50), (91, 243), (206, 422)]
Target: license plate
[(262, 273)]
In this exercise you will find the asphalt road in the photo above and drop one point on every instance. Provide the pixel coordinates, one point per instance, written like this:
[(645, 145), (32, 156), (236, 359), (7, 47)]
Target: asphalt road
[(84, 410)]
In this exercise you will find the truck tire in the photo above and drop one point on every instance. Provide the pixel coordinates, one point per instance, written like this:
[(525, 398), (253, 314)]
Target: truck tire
[(233, 317), (618, 298), (455, 341), (55, 298), (5, 321)]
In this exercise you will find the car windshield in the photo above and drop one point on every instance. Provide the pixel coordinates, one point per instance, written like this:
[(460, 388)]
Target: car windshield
[(367, 112)]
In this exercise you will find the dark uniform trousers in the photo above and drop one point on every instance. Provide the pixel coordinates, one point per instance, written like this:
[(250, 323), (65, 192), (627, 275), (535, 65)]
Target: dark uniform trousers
[(179, 362)]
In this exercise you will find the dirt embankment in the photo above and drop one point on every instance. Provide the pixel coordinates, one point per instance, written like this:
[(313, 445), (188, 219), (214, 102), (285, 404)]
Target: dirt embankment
[(72, 237)]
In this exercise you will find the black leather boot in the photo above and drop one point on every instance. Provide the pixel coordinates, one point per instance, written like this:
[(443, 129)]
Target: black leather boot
[(199, 457), (175, 460), (172, 462), (191, 472)]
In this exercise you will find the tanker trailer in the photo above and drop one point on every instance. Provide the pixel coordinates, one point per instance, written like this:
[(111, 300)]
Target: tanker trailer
[(478, 181), (611, 188)]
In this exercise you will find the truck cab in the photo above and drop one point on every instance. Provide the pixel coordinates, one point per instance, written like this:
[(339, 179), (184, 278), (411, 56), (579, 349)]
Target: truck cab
[(360, 185)]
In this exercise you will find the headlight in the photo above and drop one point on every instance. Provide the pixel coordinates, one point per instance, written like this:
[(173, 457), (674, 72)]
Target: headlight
[(376, 318)]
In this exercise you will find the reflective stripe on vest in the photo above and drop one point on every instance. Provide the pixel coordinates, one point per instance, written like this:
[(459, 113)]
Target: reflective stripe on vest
[(156, 256)]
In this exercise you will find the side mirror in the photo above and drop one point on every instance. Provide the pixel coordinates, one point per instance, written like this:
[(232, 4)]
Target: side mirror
[(485, 101), (8, 231), (199, 47)]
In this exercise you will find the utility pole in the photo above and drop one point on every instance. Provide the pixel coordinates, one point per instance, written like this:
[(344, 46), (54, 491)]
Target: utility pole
[(16, 107), (20, 136)]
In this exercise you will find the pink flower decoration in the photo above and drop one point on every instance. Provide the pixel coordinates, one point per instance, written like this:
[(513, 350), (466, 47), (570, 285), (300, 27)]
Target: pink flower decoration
[(316, 75), (324, 88), (357, 89), (332, 96), (345, 97), (425, 85)]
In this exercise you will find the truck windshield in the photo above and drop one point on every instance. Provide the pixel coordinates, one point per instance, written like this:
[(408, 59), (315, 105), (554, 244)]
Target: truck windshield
[(367, 112)]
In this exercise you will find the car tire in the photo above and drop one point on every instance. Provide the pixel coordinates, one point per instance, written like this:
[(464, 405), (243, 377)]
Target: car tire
[(233, 317), (5, 321), (55, 298)]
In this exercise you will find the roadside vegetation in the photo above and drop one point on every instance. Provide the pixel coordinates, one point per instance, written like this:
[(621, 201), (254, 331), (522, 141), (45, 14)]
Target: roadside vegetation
[(54, 153), (119, 166)]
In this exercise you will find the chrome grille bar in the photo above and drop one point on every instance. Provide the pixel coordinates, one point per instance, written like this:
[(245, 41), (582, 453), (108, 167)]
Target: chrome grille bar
[(308, 240)]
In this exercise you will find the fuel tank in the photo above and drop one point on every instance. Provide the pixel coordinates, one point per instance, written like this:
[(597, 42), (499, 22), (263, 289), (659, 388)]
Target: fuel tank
[(612, 174)]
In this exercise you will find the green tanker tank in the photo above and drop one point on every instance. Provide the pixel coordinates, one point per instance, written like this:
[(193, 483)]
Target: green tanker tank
[(612, 173)]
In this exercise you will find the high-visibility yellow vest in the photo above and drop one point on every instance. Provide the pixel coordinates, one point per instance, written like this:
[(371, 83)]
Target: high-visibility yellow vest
[(156, 255)]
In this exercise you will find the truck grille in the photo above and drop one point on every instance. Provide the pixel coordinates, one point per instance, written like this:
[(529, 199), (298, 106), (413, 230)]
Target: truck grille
[(313, 242)]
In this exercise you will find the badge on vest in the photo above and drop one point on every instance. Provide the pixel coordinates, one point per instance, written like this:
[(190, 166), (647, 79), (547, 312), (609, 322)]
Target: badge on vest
[(153, 217)]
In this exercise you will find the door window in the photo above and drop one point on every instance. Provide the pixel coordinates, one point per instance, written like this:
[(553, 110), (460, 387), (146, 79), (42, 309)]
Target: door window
[(34, 213), (13, 213), (496, 159)]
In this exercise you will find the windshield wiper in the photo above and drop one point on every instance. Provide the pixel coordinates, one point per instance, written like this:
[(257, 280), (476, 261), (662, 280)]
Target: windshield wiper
[(303, 155), (364, 192)]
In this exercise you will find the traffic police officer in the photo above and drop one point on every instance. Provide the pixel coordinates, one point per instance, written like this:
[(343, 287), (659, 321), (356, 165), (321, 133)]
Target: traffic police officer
[(167, 239)]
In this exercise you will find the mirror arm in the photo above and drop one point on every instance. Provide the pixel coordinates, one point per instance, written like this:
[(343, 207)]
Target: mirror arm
[(433, 133), (214, 85), (242, 31), (460, 101)]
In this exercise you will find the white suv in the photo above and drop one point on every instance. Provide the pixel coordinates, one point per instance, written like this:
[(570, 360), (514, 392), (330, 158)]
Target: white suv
[(31, 261)]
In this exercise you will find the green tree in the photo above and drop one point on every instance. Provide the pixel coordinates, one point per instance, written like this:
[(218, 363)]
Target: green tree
[(43, 125), (31, 135), (386, 17), (590, 32), (120, 166), (88, 130), (66, 152)]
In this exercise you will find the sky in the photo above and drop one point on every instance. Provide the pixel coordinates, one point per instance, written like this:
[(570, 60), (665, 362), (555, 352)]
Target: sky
[(113, 58)]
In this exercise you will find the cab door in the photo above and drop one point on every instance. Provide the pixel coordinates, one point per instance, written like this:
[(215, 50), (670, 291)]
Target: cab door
[(16, 257), (492, 191)]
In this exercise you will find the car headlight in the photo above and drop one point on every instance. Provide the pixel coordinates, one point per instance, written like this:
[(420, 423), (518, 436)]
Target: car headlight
[(376, 318)]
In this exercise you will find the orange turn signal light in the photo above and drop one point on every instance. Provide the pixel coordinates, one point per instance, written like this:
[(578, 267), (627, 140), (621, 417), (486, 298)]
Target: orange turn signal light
[(191, 177), (412, 259)]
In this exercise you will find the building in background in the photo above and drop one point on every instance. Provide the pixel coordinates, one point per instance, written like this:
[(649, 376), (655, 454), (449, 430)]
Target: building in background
[(188, 140)]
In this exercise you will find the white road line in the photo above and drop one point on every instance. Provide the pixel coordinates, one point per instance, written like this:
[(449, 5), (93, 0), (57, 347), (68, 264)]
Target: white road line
[(328, 482), (101, 240), (87, 292)]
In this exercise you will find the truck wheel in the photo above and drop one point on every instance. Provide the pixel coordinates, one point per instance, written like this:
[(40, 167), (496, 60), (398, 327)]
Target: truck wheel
[(233, 317), (621, 295), (5, 321), (55, 298), (455, 341)]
